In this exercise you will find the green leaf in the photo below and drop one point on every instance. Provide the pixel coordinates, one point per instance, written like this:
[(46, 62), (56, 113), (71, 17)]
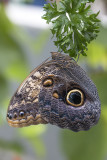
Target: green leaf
[(74, 25)]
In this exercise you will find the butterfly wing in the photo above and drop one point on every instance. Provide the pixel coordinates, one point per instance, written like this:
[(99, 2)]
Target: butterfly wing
[(58, 92)]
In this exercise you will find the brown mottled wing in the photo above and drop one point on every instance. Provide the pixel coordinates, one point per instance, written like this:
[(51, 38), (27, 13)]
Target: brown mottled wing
[(42, 98)]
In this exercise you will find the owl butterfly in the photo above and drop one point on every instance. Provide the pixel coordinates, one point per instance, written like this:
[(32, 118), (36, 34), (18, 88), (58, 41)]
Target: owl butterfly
[(57, 92)]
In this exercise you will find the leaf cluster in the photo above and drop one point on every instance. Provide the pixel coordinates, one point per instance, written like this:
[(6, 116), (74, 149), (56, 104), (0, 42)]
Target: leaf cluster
[(74, 25)]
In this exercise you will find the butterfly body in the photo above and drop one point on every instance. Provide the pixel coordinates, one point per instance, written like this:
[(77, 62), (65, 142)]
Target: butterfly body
[(57, 92)]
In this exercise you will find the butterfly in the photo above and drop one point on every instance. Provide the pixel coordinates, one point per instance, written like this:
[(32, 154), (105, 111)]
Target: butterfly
[(58, 92)]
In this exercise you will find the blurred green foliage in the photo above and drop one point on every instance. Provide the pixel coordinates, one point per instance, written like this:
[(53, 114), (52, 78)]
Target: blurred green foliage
[(100, 80), (33, 134), (14, 66), (11, 145), (90, 145)]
